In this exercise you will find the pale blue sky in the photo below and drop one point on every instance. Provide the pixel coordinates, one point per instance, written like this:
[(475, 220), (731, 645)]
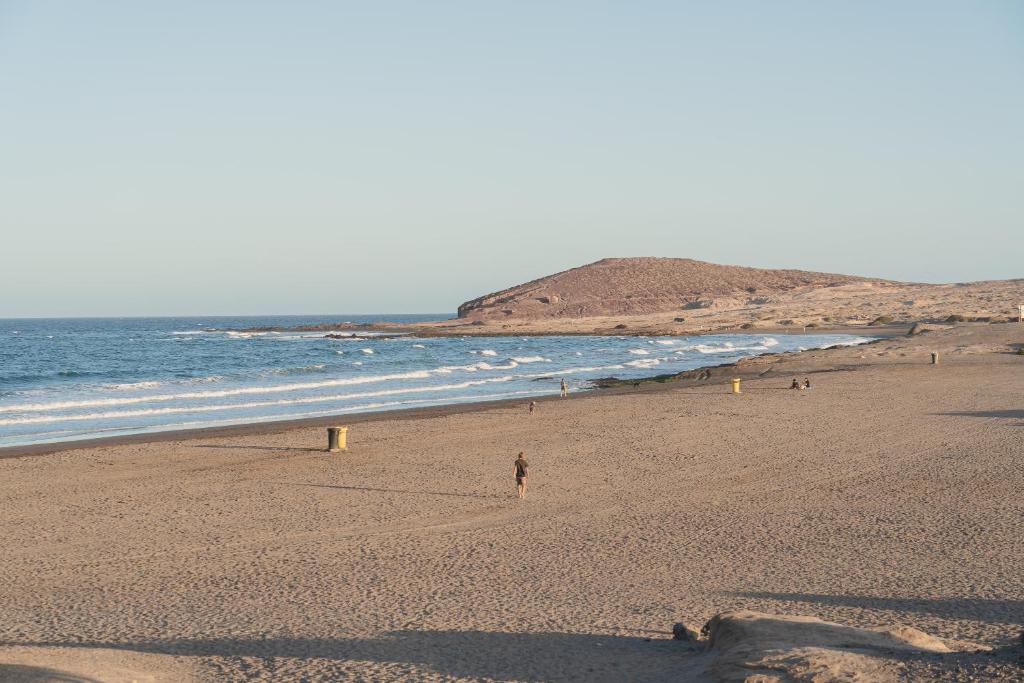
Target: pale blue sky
[(301, 157)]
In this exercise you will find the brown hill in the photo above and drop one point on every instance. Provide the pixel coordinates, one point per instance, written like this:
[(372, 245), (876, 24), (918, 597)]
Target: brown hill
[(636, 286)]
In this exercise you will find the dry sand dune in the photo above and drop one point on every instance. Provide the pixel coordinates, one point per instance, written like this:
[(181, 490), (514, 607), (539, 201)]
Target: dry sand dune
[(887, 495)]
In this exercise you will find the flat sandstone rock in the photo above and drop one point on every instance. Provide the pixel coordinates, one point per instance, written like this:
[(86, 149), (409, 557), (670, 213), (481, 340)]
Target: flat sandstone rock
[(21, 664), (753, 647)]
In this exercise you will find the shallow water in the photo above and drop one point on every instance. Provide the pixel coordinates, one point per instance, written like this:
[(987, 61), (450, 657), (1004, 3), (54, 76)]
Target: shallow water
[(63, 379)]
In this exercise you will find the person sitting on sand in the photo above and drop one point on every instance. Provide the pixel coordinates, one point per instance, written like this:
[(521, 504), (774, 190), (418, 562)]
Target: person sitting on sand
[(795, 384), (522, 473), (807, 383), (565, 389)]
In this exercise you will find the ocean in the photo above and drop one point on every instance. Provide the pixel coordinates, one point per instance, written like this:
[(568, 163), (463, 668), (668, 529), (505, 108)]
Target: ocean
[(73, 378)]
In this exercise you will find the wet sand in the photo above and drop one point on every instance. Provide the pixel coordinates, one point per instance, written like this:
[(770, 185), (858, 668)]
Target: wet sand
[(887, 494)]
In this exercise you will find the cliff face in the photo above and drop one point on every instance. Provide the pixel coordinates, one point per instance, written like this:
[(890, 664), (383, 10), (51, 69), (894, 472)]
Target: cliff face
[(634, 286)]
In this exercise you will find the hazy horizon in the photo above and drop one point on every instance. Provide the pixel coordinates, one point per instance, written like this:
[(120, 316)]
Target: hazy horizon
[(236, 159), (315, 313)]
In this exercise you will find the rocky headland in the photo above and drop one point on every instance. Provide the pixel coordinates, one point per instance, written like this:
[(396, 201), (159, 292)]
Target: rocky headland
[(676, 296)]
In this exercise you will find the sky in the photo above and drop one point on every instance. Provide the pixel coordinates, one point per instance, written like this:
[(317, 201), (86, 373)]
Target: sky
[(186, 158)]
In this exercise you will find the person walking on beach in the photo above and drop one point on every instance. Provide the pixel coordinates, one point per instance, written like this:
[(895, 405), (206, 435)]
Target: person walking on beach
[(565, 389), (533, 406), (522, 473)]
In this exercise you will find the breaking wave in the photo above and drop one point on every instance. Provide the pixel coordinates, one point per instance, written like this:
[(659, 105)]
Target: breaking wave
[(217, 380), (254, 404), (132, 386)]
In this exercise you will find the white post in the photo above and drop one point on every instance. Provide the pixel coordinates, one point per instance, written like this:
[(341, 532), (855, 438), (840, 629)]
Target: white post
[(1020, 313)]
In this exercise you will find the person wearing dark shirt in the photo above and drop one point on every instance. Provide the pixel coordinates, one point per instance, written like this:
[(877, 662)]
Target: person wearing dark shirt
[(522, 473)]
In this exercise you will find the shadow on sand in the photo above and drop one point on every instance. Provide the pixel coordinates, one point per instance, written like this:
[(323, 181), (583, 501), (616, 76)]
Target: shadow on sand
[(1012, 414), (261, 448), (379, 490), (460, 654), (20, 673), (1008, 414)]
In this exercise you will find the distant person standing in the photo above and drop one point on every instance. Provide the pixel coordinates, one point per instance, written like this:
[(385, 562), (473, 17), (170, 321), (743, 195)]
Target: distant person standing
[(533, 406), (522, 473), (565, 389)]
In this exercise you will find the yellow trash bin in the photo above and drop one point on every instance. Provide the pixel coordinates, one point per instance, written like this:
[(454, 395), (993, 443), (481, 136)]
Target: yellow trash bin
[(735, 385), (337, 439)]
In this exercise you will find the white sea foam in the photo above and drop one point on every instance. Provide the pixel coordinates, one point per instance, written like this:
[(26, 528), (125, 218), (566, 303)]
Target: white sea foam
[(639, 352), (319, 334), (643, 363), (357, 362), (727, 348), (667, 342), (131, 386), (220, 393), (41, 419), (448, 369), (769, 341), (531, 359), (204, 380), (852, 342), (335, 411), (315, 367), (367, 351), (506, 366), (418, 346), (569, 371)]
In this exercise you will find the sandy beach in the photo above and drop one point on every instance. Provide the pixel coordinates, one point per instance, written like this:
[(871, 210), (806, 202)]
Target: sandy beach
[(738, 281), (887, 494)]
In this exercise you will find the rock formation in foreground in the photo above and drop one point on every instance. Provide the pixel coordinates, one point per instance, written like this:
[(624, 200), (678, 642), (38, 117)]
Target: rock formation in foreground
[(751, 647), (636, 286)]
